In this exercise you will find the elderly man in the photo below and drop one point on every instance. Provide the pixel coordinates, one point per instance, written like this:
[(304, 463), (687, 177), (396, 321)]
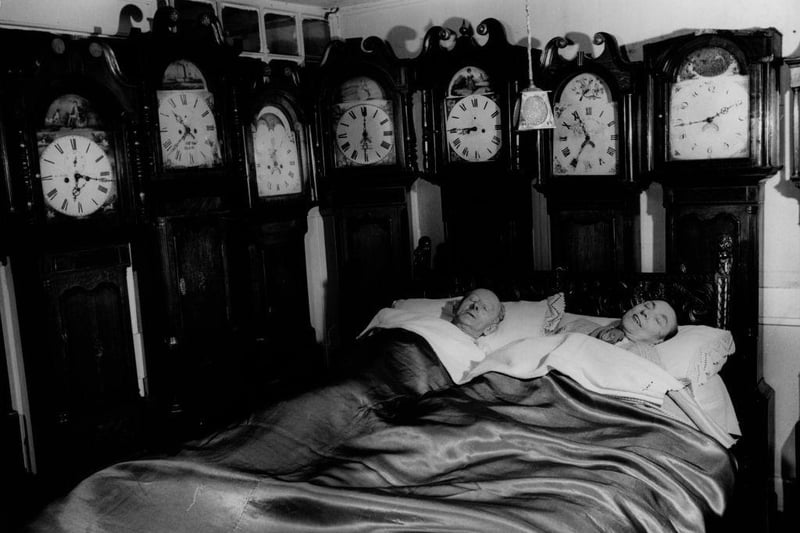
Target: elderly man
[(479, 313)]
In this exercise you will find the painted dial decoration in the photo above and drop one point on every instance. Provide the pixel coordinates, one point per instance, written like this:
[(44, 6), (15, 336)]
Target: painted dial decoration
[(709, 108), (77, 166), (586, 137), (365, 134), (77, 177), (474, 128), (275, 153), (188, 133)]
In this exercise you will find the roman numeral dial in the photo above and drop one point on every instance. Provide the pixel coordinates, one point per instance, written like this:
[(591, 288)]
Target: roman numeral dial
[(364, 134), (474, 128), (187, 130), (586, 139), (77, 176)]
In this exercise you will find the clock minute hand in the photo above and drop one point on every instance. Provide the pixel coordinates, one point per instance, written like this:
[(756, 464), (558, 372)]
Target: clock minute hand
[(723, 111)]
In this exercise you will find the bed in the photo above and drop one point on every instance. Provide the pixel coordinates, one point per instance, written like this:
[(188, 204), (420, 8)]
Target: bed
[(402, 442)]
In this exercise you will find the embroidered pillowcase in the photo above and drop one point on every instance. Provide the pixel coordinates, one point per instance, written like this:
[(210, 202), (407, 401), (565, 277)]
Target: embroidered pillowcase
[(695, 353)]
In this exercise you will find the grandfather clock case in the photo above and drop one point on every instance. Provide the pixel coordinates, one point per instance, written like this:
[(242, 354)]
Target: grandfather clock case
[(710, 168), (72, 127)]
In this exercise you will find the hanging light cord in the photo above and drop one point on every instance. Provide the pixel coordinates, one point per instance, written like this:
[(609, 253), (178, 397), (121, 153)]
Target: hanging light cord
[(528, 28)]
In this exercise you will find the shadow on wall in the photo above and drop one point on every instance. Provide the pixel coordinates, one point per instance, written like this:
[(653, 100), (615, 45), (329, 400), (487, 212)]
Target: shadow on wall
[(127, 16), (400, 38)]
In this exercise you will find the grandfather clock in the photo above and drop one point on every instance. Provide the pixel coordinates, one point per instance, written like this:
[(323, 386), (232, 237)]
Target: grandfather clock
[(366, 161), (194, 184), (713, 136), (71, 128), (468, 90), (589, 164)]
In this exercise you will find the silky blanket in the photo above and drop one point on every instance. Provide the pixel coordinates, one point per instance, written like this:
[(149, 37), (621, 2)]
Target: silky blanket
[(397, 446)]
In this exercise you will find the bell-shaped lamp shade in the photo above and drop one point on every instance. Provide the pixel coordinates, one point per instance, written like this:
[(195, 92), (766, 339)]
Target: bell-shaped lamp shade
[(532, 110)]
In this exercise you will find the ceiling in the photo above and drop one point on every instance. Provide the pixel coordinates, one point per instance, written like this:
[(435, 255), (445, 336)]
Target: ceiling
[(331, 3)]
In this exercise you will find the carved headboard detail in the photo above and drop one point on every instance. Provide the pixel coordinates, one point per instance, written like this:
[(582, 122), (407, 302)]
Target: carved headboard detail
[(697, 298)]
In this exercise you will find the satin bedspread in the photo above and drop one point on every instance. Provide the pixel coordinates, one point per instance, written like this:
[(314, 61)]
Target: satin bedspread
[(398, 447)]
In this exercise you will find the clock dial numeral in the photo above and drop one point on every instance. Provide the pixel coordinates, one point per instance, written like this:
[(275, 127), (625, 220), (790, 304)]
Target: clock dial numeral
[(585, 140), (472, 128), (188, 130), (365, 135), (77, 176)]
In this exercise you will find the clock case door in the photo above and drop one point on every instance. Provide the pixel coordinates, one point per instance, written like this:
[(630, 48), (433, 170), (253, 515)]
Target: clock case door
[(202, 45), (374, 59), (52, 67), (277, 84), (443, 54), (758, 53), (594, 218)]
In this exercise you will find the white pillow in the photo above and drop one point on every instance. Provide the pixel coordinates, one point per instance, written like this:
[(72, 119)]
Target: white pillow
[(696, 352), (715, 400), (523, 318)]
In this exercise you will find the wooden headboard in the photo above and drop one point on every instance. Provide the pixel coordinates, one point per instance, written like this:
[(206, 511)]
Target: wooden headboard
[(697, 298)]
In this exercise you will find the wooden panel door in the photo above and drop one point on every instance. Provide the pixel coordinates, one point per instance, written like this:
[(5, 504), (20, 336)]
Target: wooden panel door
[(374, 261), (281, 344), (82, 381), (197, 377)]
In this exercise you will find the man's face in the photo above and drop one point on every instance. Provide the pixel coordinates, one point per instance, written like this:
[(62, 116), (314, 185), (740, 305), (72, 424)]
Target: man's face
[(649, 321), (478, 312)]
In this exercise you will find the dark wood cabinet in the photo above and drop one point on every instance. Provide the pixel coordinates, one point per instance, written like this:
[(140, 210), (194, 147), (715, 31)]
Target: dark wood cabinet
[(83, 386), (372, 254), (190, 311), (594, 230)]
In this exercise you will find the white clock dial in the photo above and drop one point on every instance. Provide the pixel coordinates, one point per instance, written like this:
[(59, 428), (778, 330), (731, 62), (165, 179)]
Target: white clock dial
[(586, 139), (474, 128), (276, 156), (709, 118), (365, 134), (188, 130), (77, 176)]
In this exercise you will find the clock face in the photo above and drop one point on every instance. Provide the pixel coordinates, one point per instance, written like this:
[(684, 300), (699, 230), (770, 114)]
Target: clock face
[(275, 152), (474, 128), (365, 133), (188, 129), (586, 137), (709, 108), (77, 174)]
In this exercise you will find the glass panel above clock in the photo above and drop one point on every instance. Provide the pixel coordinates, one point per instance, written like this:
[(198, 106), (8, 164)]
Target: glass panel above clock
[(281, 34), (190, 11), (316, 36), (240, 23)]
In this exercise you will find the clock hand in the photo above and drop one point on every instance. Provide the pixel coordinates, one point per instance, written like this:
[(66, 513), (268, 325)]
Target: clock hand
[(88, 178), (587, 141), (710, 119)]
